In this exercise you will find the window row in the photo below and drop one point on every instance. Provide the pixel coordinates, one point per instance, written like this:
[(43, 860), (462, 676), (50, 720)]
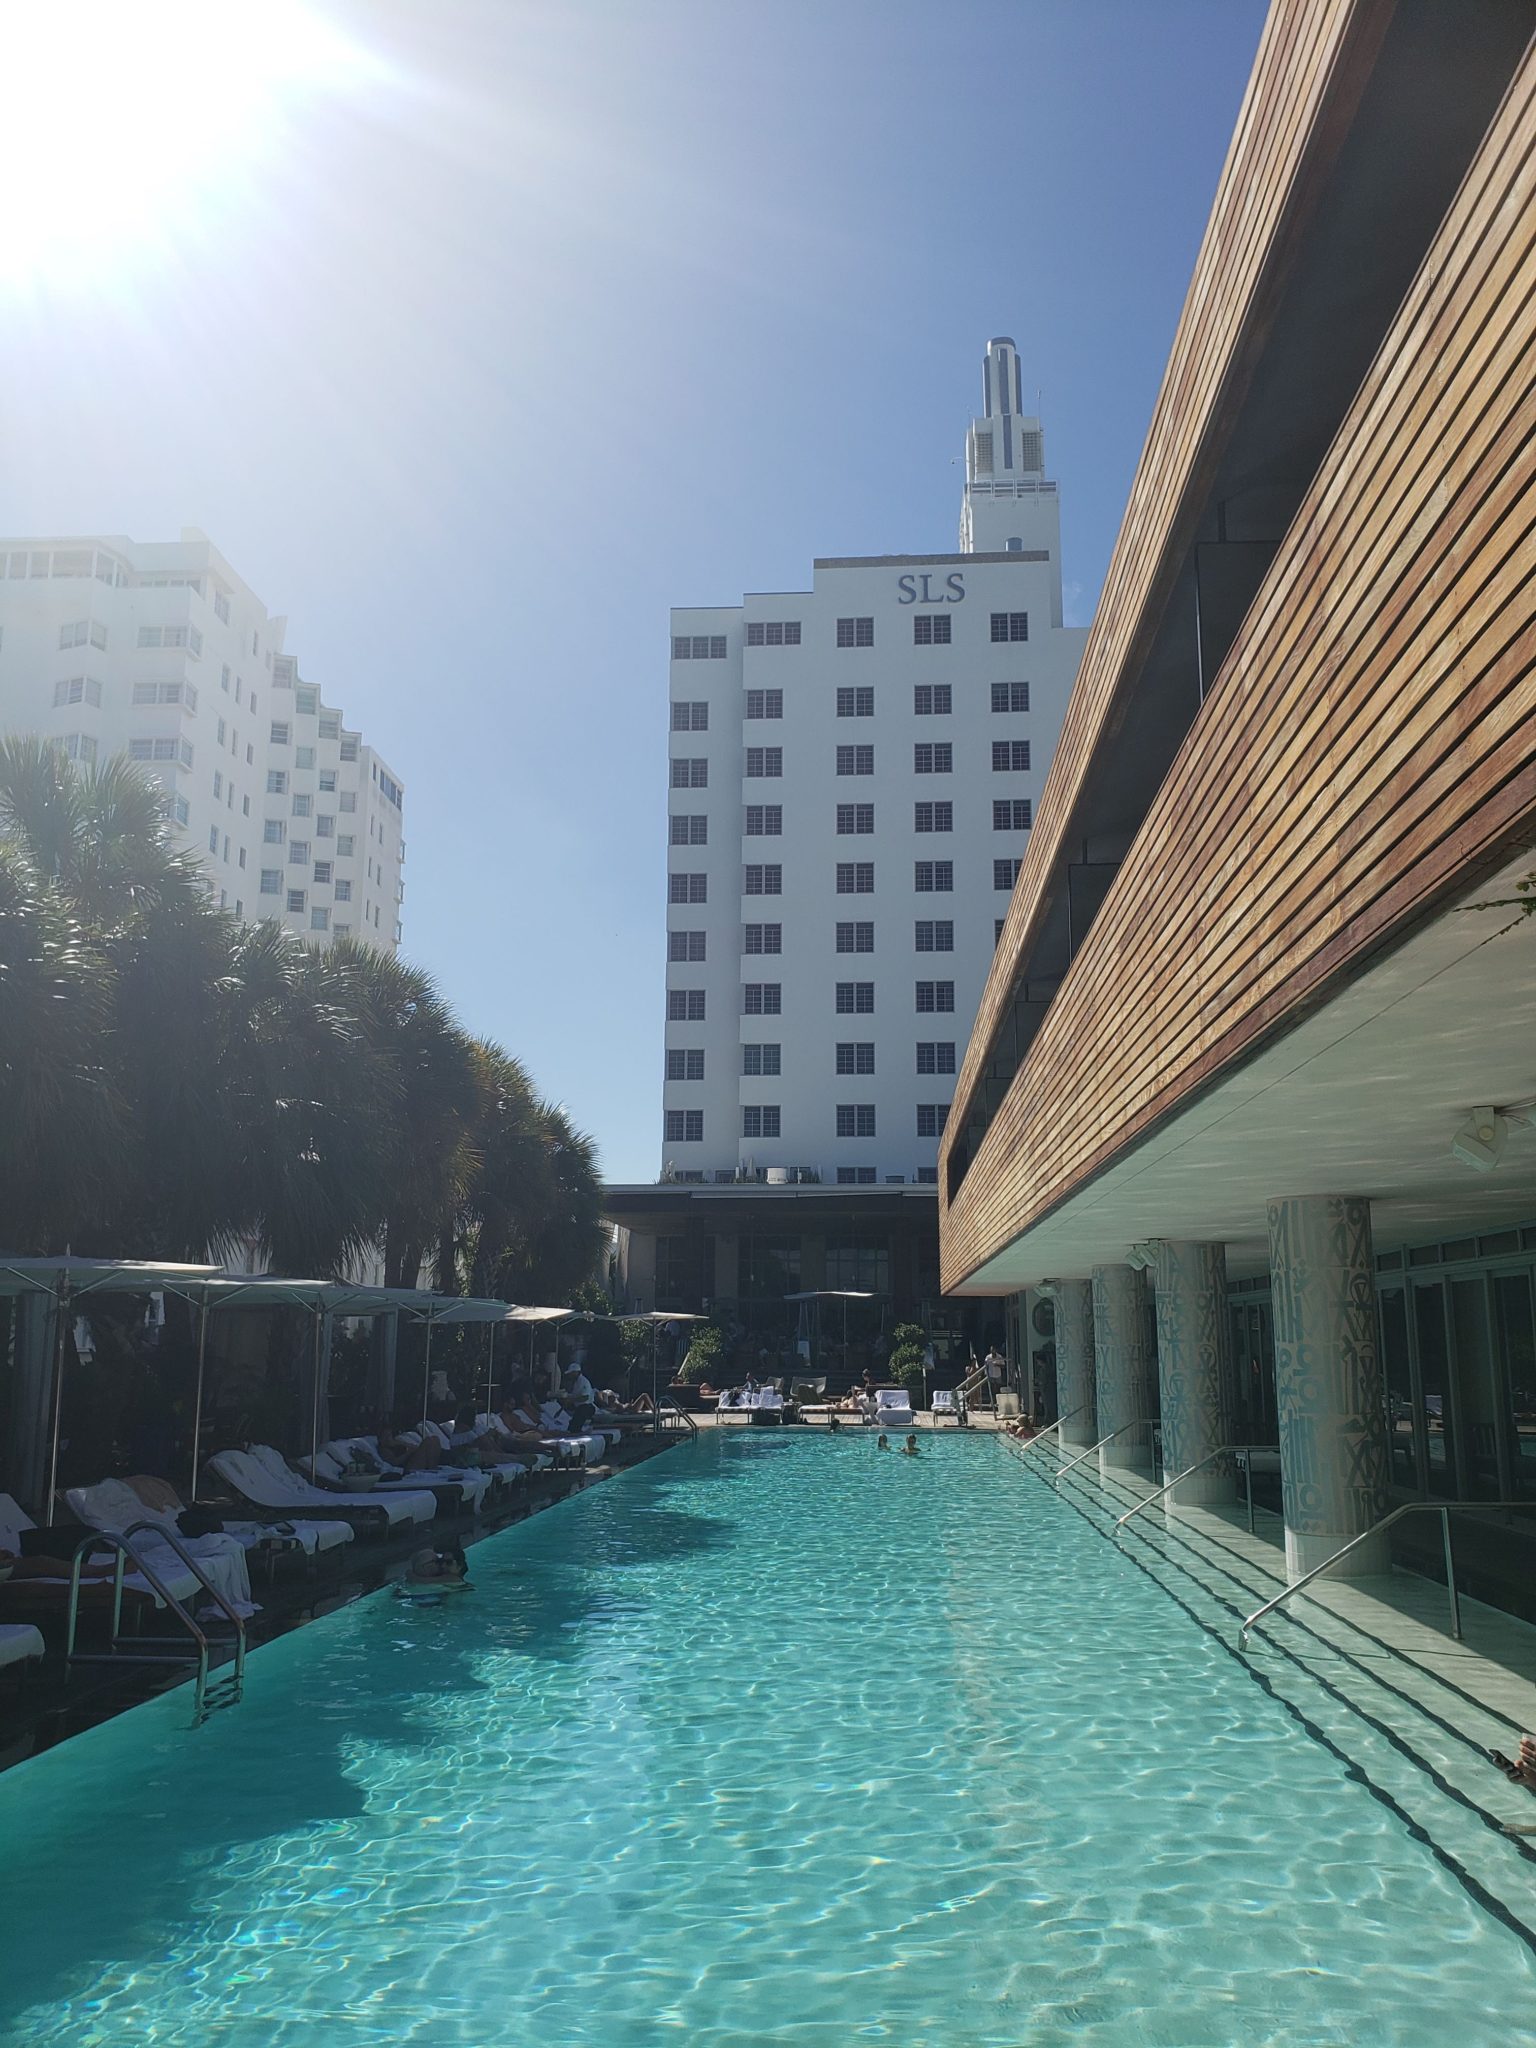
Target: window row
[(698, 647), (1009, 814), (852, 878), (172, 636), (850, 999), (272, 883), (865, 1176), (773, 633), (764, 1120), (83, 633)]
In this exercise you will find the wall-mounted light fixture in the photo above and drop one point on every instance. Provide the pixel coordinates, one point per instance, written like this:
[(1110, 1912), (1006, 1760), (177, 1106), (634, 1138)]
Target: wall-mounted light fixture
[(1143, 1256), (1481, 1140)]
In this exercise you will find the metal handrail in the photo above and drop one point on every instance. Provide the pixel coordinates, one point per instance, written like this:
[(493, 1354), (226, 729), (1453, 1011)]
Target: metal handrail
[(1061, 1420), (672, 1404), (1244, 1451), (120, 1541), (1443, 1508), (1141, 1422)]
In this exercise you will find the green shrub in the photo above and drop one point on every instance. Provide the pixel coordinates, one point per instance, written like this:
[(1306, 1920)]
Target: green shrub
[(905, 1368), (703, 1354)]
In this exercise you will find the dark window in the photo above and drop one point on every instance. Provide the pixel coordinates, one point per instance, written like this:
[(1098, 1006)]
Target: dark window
[(760, 1120), (767, 880), (933, 757), (1010, 696), (855, 1119), (931, 629), (689, 831), (690, 718), (855, 760), (1005, 873), (934, 935), (935, 875), (685, 1005), (760, 1059), (687, 888), (935, 995), (856, 702), (855, 878), (760, 998), (685, 1063), (765, 761), (1010, 625), (855, 818), (765, 704), (764, 821), (932, 700), (930, 1118), (699, 647), (763, 938), (1012, 814), (997, 930), (927, 1173), (685, 945), (774, 633), (855, 632), (935, 1055), (936, 817), (690, 774), (1010, 755), (856, 1056), (855, 998), (855, 1176), (855, 938), (685, 1126)]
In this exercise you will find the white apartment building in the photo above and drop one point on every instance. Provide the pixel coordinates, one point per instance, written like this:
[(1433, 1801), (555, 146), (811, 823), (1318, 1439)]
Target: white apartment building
[(161, 652), (853, 771)]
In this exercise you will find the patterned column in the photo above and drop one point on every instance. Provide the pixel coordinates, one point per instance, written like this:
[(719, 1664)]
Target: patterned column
[(1074, 1362), (1126, 1370), (1329, 1388), (1194, 1369)]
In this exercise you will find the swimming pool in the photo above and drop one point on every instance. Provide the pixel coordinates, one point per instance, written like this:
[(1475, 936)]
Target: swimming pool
[(773, 1740)]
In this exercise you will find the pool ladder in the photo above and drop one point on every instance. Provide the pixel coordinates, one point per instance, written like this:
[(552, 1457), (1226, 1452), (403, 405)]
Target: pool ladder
[(208, 1694)]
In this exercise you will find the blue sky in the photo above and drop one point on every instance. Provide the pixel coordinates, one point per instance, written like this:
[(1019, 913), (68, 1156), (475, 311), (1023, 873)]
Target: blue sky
[(481, 345)]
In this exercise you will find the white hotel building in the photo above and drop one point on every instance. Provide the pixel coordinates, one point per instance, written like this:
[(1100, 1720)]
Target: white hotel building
[(852, 775), (161, 652)]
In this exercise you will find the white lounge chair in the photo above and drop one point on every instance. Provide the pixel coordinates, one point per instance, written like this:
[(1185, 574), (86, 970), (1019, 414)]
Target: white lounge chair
[(511, 1469), (261, 1477), (15, 1522), (525, 1460), (465, 1489), (893, 1409), (558, 1423), (115, 1508), (20, 1642), (944, 1403), (310, 1539)]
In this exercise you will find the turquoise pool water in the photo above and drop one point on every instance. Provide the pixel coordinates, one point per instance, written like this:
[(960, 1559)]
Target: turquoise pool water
[(773, 1740)]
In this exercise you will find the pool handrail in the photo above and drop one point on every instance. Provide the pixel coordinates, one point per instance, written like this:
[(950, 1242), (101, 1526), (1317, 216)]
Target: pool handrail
[(1041, 1435), (121, 1543), (671, 1403), (1443, 1508), (1141, 1422), (1242, 1451)]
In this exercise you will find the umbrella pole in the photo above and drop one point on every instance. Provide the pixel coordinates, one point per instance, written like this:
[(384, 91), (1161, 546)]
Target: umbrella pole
[(314, 1399), (655, 1411), (490, 1374), (61, 1310), (426, 1380), (197, 1405)]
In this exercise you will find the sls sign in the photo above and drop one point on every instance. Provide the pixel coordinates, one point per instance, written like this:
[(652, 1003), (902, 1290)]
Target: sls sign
[(916, 589)]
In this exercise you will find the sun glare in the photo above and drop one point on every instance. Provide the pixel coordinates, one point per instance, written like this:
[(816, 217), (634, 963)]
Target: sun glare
[(126, 127)]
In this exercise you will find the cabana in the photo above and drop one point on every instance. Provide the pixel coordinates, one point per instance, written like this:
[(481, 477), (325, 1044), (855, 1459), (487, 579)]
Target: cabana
[(808, 1334)]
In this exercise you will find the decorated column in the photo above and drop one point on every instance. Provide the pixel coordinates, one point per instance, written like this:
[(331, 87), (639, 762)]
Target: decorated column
[(1194, 1369), (1126, 1371), (1074, 1362)]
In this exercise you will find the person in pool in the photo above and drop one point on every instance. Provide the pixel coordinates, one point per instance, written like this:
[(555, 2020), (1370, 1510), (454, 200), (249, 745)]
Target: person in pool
[(833, 1425), (882, 1443), (443, 1571), (909, 1448)]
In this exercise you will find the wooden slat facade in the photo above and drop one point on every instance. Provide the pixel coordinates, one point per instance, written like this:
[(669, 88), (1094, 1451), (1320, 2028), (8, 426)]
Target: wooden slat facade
[(1368, 747)]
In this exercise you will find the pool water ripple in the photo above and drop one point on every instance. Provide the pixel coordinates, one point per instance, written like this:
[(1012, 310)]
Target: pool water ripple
[(775, 1740)]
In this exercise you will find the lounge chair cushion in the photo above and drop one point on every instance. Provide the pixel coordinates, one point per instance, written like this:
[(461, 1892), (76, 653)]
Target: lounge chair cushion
[(112, 1506), (261, 1477), (19, 1641)]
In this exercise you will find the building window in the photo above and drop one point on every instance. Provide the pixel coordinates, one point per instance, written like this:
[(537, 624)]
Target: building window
[(327, 781), (764, 821), (932, 700), (698, 647), (685, 1126), (773, 633), (855, 999), (685, 1063), (765, 761), (855, 632), (688, 831), (348, 800), (933, 757), (83, 633), (764, 880), (1010, 625), (685, 1006), (690, 774), (930, 1118), (78, 690), (855, 878), (298, 853), (935, 1055), (271, 881), (1005, 873), (180, 810), (765, 704), (323, 869), (221, 606), (763, 938), (856, 703), (856, 938), (927, 1175), (296, 900), (760, 998), (303, 806), (760, 1059), (303, 757), (274, 832), (325, 825), (937, 876), (1010, 696), (345, 842), (934, 935), (856, 1056), (349, 742), (685, 945), (1010, 755), (855, 818), (81, 747), (277, 782), (343, 892), (329, 727), (855, 1176), (690, 717), (278, 733), (1012, 814), (687, 888), (855, 760), (319, 920), (213, 838), (997, 931), (936, 817), (760, 1120), (855, 1119), (935, 995), (306, 702), (931, 629)]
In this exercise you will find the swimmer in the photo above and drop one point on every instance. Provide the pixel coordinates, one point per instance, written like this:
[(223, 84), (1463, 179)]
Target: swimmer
[(833, 1425), (882, 1443), (909, 1448), (431, 1573)]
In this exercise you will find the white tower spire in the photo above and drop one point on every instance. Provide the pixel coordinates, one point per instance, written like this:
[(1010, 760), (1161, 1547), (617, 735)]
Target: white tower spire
[(1009, 507)]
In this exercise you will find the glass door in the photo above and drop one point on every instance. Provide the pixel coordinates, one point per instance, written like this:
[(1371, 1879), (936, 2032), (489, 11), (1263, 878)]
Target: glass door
[(1436, 1406), (1402, 1405), (1516, 1328)]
